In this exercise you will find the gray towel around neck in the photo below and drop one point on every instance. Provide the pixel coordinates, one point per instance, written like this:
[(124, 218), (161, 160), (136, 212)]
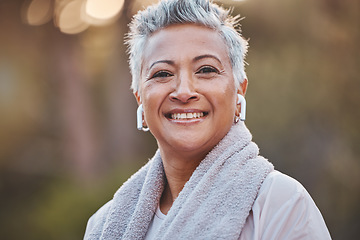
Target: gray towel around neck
[(213, 204)]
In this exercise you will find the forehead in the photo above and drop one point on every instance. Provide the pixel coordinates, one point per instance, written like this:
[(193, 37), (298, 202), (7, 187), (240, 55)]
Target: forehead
[(183, 41)]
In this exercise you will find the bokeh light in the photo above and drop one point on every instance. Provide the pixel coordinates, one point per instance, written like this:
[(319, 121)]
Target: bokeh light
[(38, 12), (100, 11), (70, 18)]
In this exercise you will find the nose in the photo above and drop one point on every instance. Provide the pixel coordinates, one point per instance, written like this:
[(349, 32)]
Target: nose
[(184, 91)]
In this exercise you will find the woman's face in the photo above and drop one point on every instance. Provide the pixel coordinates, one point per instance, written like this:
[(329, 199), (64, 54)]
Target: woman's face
[(187, 89)]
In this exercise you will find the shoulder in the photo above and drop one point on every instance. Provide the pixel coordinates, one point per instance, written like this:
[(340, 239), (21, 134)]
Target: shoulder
[(123, 197), (96, 222), (284, 209), (282, 187), (102, 212), (281, 193)]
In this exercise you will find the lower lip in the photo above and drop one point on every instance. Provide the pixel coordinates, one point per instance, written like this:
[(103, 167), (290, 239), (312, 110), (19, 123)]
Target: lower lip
[(187, 121)]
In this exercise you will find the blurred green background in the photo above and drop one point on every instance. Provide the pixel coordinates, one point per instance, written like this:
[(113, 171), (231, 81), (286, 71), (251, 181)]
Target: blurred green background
[(68, 135)]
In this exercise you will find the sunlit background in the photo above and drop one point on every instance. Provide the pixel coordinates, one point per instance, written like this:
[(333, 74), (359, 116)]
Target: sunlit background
[(68, 135)]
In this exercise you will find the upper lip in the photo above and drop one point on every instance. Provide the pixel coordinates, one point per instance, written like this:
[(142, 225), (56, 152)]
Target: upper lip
[(179, 110)]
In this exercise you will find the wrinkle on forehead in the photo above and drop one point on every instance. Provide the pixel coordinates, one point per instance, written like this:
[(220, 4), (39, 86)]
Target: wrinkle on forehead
[(204, 35)]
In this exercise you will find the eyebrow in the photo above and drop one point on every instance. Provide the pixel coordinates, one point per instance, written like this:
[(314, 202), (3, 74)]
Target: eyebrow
[(162, 61), (206, 56), (197, 58)]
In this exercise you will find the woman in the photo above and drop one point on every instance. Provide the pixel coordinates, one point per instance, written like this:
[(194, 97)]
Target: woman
[(206, 181)]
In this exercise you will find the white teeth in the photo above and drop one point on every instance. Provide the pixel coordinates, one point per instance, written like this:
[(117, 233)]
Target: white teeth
[(186, 115)]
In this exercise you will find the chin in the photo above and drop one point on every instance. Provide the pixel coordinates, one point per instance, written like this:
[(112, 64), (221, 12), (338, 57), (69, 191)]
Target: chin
[(193, 147)]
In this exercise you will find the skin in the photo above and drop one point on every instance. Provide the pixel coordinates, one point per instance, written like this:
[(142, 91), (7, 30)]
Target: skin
[(186, 69)]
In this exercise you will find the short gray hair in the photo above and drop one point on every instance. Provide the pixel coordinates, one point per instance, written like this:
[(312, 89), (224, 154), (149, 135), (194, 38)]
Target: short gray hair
[(203, 12)]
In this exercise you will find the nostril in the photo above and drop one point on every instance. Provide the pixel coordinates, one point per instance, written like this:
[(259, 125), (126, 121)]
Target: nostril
[(185, 98)]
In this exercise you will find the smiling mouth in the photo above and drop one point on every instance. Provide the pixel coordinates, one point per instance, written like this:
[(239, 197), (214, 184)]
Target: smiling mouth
[(186, 116)]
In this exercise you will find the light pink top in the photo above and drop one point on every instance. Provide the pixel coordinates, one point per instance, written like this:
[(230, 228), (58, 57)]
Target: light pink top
[(283, 209)]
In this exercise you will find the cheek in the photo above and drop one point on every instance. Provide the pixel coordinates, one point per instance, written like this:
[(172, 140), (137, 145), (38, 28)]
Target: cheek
[(223, 93), (152, 96), (148, 93), (227, 101)]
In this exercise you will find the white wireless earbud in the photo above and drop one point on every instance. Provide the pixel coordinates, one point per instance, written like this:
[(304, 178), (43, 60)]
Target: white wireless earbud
[(242, 102), (139, 118)]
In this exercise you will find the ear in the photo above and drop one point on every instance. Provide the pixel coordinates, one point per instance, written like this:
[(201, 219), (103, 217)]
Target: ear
[(241, 90), (137, 96), (140, 115), (243, 87)]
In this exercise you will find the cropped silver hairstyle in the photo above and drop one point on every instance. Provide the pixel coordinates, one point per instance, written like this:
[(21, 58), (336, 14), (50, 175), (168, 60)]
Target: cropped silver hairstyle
[(202, 12)]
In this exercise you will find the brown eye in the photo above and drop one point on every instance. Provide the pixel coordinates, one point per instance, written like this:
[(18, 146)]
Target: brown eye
[(162, 74), (207, 69), (207, 72)]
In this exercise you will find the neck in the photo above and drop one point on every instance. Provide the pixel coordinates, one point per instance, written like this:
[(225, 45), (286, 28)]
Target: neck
[(178, 170)]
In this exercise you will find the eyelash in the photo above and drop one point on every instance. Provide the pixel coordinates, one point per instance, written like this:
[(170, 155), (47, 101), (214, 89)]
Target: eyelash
[(202, 70), (207, 68), (160, 74)]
